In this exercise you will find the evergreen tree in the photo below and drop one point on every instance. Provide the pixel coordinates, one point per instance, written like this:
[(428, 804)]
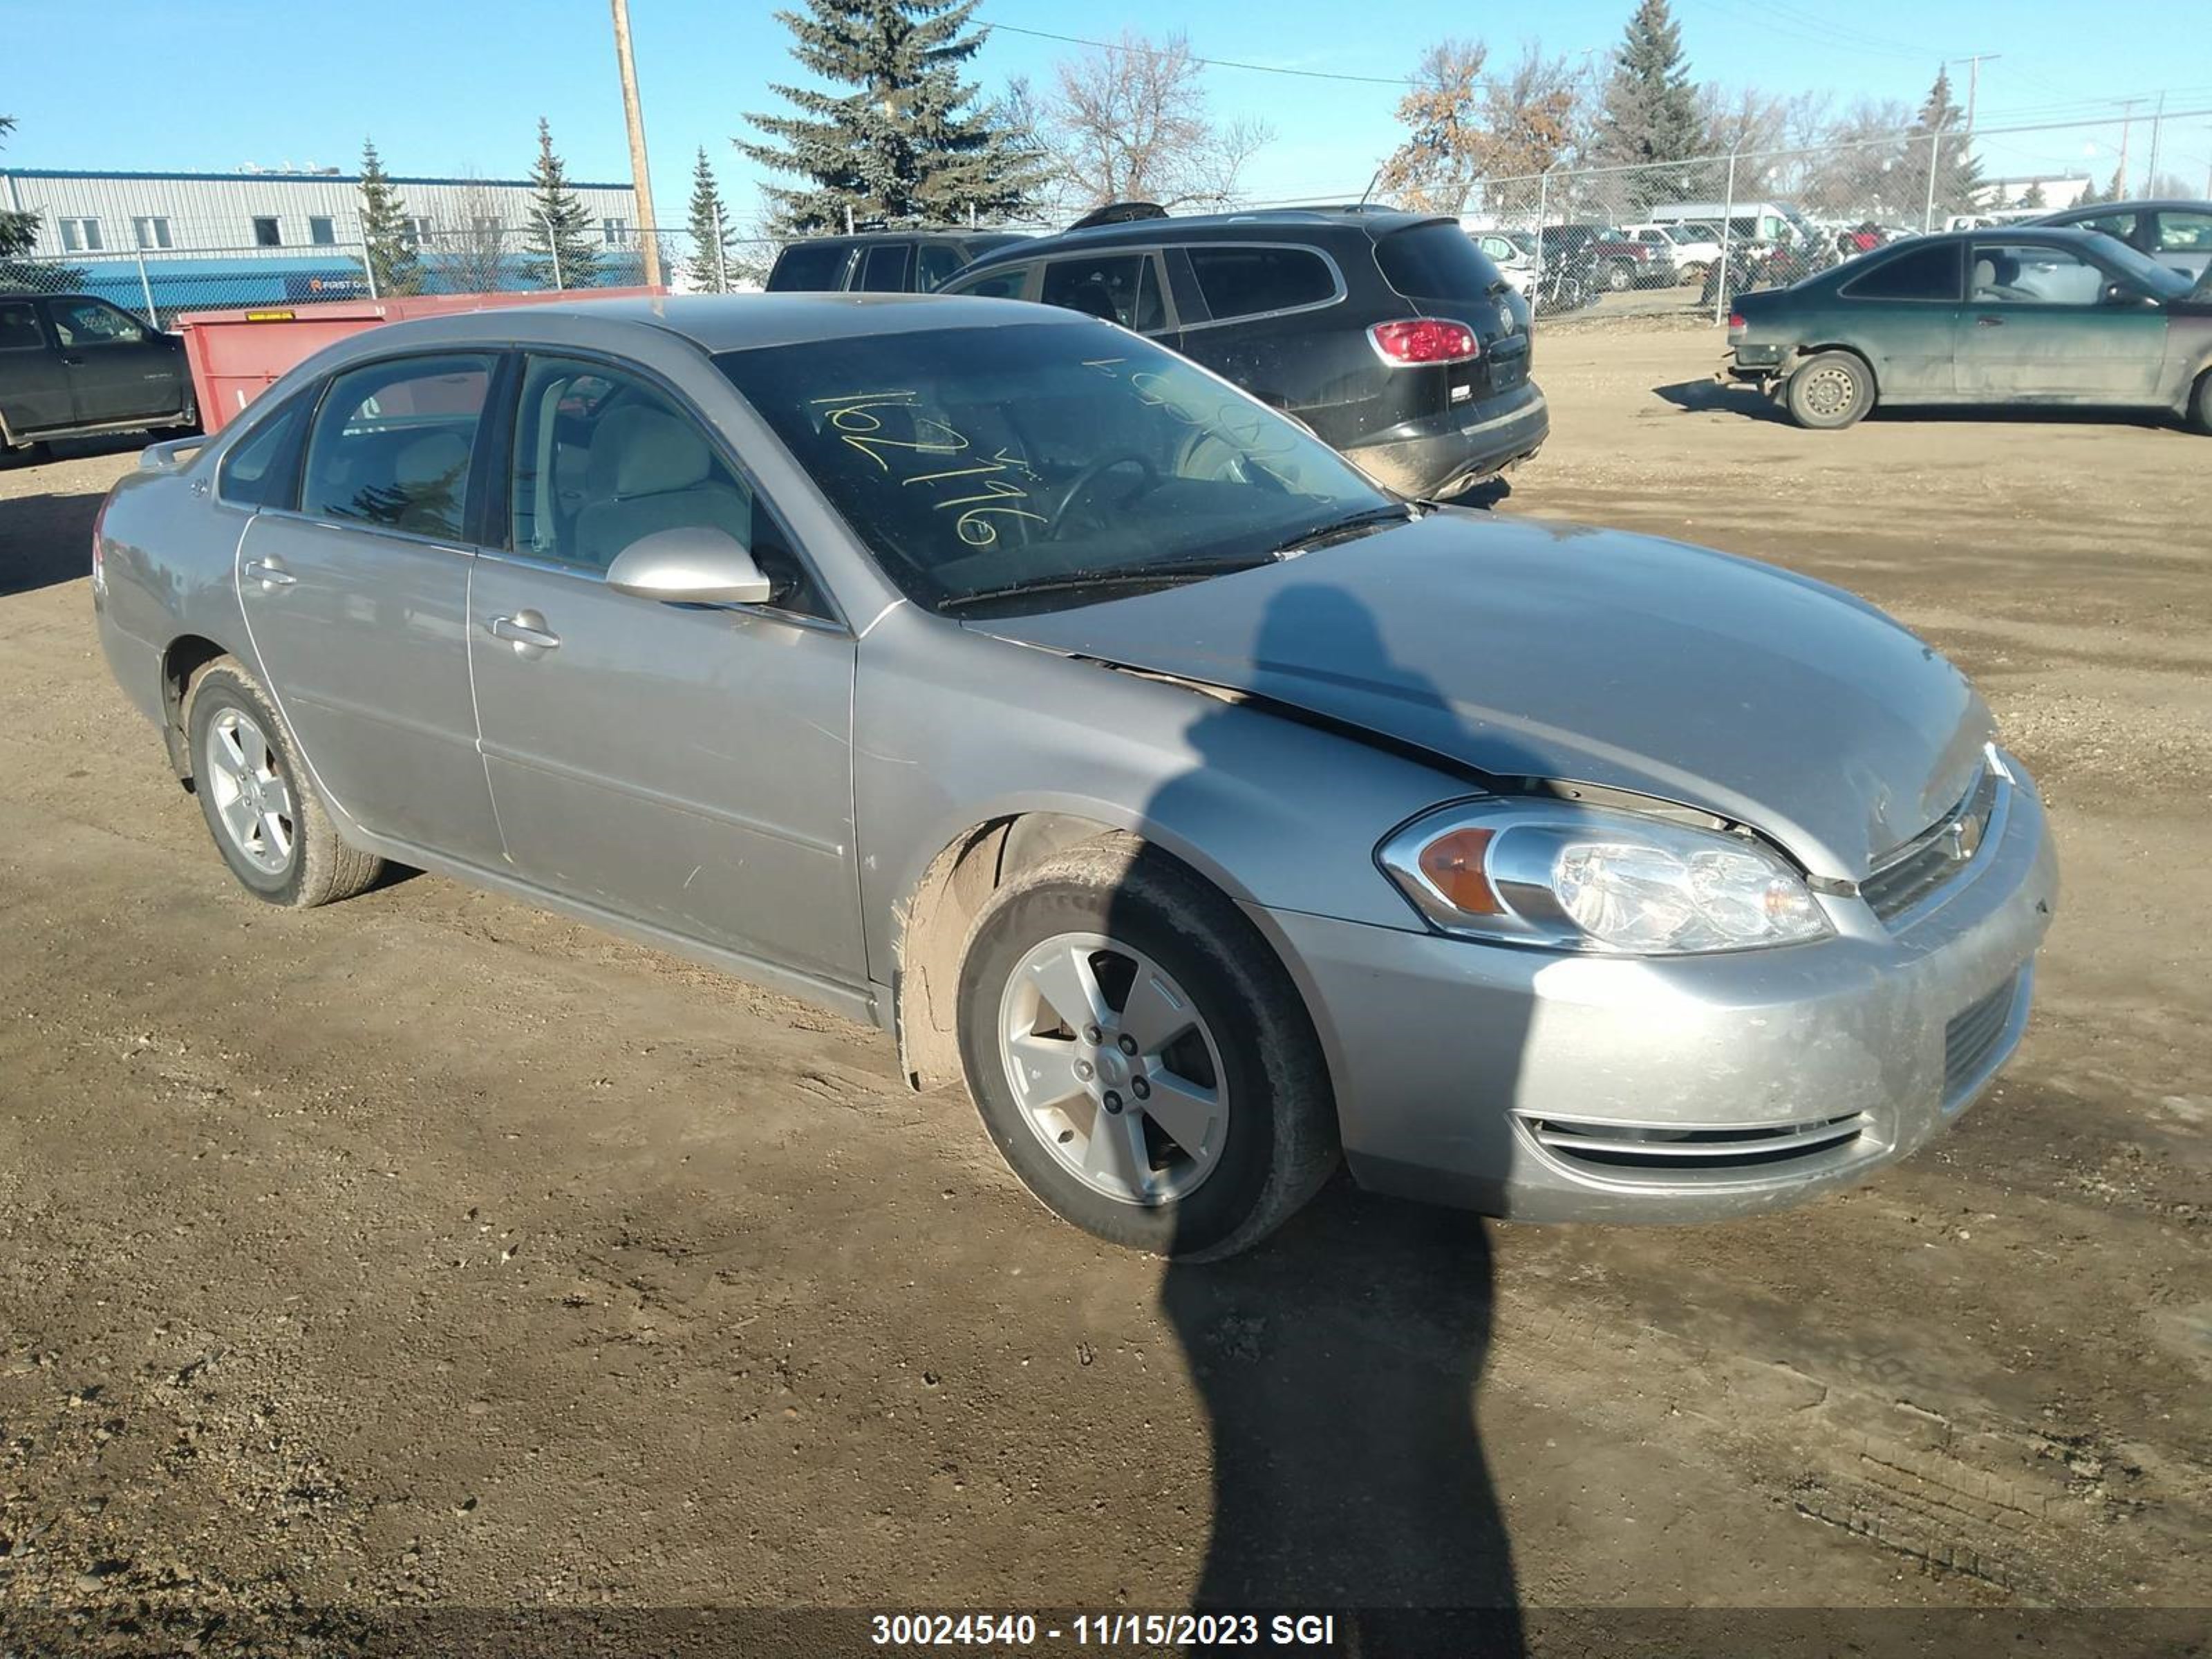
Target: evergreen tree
[(1938, 133), (393, 267), (2034, 197), (903, 146), (558, 252), (1650, 109), (18, 232), (708, 268)]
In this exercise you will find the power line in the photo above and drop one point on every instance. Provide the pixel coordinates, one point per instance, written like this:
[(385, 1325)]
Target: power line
[(1210, 62)]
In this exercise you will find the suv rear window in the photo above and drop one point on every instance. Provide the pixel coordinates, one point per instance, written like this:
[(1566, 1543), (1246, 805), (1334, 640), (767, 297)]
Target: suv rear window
[(1242, 281), (1435, 262), (809, 265)]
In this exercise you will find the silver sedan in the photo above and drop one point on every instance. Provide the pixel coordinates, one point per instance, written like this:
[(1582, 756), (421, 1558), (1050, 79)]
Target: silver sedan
[(989, 673)]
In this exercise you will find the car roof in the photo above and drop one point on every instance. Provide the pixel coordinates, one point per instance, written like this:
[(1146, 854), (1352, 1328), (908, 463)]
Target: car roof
[(2153, 203), (1259, 224), (918, 233)]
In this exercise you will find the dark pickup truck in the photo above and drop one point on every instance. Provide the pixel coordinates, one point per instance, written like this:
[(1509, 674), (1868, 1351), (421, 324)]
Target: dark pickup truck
[(70, 365), (1619, 260)]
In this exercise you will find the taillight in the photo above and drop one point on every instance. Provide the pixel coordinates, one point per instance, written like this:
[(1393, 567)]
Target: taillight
[(1424, 340), (1735, 322)]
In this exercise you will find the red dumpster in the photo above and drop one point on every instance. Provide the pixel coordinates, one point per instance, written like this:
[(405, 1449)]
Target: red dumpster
[(235, 354)]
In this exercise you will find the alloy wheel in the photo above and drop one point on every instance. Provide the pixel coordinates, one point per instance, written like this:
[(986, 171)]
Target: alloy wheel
[(245, 778)]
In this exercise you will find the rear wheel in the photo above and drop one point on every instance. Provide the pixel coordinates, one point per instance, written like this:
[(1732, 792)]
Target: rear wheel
[(1828, 391), (1620, 277), (268, 822), (1139, 1056), (2200, 403)]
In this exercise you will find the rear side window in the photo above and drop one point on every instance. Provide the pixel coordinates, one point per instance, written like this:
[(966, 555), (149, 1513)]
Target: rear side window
[(1005, 284), (1244, 281), (392, 443), (1921, 273), (934, 262), (884, 269), (809, 265), (19, 327), (2121, 227), (1119, 288), (257, 470), (1435, 262), (2184, 233)]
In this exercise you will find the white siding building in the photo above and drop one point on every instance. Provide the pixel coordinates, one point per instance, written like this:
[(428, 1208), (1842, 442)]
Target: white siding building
[(82, 213)]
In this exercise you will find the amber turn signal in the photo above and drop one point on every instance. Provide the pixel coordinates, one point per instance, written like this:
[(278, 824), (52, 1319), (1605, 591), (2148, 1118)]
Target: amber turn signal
[(1453, 864)]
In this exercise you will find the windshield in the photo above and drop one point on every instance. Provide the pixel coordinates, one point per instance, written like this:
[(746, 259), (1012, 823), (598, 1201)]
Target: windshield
[(1071, 460)]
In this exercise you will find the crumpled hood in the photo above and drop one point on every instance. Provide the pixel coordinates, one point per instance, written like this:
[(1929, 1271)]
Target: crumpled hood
[(1527, 649)]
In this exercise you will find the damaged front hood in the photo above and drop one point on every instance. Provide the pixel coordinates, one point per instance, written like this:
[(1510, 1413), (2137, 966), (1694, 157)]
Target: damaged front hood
[(1525, 649)]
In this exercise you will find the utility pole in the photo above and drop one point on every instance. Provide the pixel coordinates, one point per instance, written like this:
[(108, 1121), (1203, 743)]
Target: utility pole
[(2127, 128), (1974, 79), (640, 176), (2157, 128)]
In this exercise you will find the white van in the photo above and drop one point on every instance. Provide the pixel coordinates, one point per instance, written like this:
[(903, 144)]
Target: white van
[(1748, 222)]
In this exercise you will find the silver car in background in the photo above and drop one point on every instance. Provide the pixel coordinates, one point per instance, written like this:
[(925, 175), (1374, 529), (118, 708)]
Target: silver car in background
[(984, 672)]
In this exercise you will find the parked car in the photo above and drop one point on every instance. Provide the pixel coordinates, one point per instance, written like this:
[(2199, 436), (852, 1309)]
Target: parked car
[(1693, 251), (1387, 333), (1551, 281), (2015, 314), (1748, 222), (72, 365), (881, 262), (990, 673), (1515, 256), (2176, 234), (1620, 260)]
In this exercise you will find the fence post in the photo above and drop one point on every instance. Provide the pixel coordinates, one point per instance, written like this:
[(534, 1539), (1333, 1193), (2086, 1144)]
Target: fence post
[(553, 253), (721, 263), (369, 269), (1727, 234), (1935, 160), (1536, 281), (146, 288)]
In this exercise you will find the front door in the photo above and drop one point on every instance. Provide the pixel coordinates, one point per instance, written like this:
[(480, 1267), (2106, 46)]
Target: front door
[(119, 368), (35, 388), (2037, 326), (356, 601), (688, 766)]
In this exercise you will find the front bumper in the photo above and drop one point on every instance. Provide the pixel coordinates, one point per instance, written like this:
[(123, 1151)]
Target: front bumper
[(1568, 1088), (1436, 456)]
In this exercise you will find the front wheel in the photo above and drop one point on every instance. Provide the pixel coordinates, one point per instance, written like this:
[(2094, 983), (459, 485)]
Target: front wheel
[(2200, 405), (1621, 277), (261, 807), (1140, 1057), (1829, 390)]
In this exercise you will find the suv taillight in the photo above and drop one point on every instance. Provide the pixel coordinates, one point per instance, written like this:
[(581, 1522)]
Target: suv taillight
[(1735, 322), (1424, 340)]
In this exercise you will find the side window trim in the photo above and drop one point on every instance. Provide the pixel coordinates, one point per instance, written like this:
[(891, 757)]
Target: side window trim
[(1335, 275), (501, 553)]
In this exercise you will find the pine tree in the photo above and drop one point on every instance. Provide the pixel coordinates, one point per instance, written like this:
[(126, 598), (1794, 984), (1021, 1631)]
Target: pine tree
[(708, 268), (1650, 109), (559, 253), (903, 146), (2034, 197), (393, 267), (18, 232), (1938, 133)]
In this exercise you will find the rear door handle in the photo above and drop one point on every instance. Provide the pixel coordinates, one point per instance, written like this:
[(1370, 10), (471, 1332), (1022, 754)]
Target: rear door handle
[(270, 574), (525, 631), (1989, 322)]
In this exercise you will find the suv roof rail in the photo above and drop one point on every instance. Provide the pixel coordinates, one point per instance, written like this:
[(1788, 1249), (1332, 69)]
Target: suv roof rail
[(1119, 213)]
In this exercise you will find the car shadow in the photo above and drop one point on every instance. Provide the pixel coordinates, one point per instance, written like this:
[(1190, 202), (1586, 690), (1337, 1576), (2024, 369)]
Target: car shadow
[(1709, 397), (45, 539), (1339, 1360), (1712, 397)]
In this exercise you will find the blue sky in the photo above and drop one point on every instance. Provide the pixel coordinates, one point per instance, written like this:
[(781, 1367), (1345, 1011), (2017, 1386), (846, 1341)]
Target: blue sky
[(454, 86)]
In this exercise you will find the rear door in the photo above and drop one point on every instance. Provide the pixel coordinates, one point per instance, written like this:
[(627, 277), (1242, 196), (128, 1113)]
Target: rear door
[(2037, 326), (34, 387), (885, 268), (117, 367), (1267, 315), (1122, 285), (357, 601)]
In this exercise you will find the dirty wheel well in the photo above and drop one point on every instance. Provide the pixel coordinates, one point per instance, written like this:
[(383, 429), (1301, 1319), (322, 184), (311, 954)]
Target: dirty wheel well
[(180, 664), (934, 933), (1851, 351)]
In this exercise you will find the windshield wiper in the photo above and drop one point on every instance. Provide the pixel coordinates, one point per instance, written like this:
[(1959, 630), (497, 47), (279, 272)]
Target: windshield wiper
[(1118, 576), (1371, 518)]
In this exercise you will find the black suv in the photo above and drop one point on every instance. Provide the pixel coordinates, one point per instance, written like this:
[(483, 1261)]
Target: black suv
[(881, 262), (71, 364), (1388, 333)]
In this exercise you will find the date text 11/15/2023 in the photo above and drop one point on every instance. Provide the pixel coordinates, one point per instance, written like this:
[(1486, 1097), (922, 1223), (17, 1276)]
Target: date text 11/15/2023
[(1139, 1631)]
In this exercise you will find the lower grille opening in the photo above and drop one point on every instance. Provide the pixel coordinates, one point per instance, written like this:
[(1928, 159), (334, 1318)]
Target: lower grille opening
[(1972, 1038), (1692, 1152)]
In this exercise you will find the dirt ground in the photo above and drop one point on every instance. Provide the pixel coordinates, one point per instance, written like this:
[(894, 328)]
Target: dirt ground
[(430, 1252)]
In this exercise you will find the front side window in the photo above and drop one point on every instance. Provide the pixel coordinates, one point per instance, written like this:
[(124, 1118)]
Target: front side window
[(2028, 274), (19, 327), (934, 263), (1004, 284), (266, 234), (602, 458), (93, 323), (1245, 282), (1119, 288), (1026, 465), (256, 470), (883, 270), (392, 444), (809, 267), (1919, 273)]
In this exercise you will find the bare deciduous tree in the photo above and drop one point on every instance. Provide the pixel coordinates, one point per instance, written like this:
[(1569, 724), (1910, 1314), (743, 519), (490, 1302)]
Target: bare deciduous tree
[(469, 257), (1531, 118), (1130, 123), (1445, 152)]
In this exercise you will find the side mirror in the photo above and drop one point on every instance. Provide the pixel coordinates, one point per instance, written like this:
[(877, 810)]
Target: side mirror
[(694, 565), (2119, 293)]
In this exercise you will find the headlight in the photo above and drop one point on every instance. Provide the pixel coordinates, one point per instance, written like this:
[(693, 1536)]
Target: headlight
[(1590, 878)]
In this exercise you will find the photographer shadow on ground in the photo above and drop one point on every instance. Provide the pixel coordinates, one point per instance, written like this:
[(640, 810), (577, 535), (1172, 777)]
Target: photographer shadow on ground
[(1339, 1360)]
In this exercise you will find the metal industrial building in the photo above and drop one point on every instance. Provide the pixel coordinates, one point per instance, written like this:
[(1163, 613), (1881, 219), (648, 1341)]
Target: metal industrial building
[(93, 213)]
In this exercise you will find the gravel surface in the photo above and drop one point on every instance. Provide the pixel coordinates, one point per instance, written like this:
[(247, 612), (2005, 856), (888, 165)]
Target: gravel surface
[(428, 1252)]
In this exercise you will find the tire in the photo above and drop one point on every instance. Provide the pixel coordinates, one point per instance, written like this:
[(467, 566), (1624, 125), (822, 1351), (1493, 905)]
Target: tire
[(1110, 919), (1694, 275), (1621, 277), (1829, 390), (2200, 403), (287, 854)]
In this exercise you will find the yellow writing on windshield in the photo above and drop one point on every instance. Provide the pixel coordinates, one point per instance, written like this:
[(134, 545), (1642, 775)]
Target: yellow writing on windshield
[(871, 423)]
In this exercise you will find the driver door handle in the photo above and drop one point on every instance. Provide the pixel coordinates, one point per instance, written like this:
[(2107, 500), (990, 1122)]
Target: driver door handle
[(527, 628), (270, 575), (1989, 322)]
